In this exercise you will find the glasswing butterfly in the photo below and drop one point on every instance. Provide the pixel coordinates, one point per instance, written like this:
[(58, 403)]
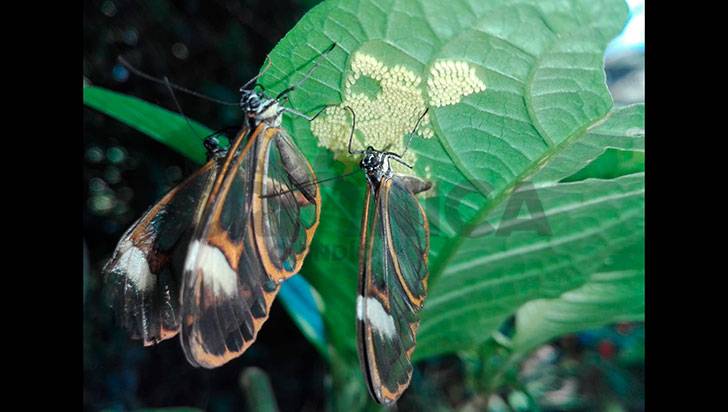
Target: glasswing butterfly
[(207, 260), (393, 249)]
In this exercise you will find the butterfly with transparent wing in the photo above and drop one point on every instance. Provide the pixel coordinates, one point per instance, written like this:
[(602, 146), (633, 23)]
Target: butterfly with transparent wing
[(393, 251), (208, 259)]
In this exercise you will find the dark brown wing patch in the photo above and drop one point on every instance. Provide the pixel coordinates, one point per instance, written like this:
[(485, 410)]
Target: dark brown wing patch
[(141, 279), (221, 320)]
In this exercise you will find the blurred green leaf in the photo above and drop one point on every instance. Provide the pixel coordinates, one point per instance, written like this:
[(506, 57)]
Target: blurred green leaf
[(172, 409), (164, 126), (303, 304), (86, 265), (258, 391), (606, 297)]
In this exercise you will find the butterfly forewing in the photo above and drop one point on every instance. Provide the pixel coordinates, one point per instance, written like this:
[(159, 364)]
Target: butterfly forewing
[(393, 283), (143, 273), (286, 213)]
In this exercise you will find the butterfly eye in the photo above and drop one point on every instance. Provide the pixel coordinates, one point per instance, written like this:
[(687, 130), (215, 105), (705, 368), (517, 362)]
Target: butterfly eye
[(211, 143), (253, 101), (249, 100)]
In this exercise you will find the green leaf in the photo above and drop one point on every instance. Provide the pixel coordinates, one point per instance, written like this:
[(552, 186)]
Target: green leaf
[(544, 116), (612, 148), (496, 270), (184, 136), (164, 126), (611, 164), (605, 298), (258, 391), (304, 305)]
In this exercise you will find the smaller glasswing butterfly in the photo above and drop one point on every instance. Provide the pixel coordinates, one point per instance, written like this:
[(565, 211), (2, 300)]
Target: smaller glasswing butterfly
[(393, 248), (207, 260)]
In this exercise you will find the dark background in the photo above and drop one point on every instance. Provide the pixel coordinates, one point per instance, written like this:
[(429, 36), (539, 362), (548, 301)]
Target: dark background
[(214, 47)]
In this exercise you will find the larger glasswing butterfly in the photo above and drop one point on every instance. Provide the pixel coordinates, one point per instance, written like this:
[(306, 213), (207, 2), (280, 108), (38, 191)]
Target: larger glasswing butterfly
[(207, 260), (393, 249)]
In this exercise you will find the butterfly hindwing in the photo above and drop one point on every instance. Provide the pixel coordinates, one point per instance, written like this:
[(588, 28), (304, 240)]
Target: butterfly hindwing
[(393, 284), (142, 275)]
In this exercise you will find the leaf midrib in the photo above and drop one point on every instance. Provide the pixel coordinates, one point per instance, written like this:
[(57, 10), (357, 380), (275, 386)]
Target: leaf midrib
[(448, 252), (448, 297), (462, 266)]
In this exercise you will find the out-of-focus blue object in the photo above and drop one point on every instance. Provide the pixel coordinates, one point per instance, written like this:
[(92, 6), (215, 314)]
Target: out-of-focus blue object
[(632, 38), (303, 305)]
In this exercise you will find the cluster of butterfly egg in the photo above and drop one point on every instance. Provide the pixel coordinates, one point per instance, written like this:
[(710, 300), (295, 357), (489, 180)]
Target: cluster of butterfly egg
[(194, 265)]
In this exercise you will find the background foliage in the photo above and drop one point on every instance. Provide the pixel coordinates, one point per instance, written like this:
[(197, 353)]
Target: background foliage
[(544, 129)]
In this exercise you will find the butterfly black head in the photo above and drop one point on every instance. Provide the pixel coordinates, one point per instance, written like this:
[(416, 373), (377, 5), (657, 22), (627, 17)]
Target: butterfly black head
[(372, 160), (250, 101), (257, 107), (213, 147), (376, 164)]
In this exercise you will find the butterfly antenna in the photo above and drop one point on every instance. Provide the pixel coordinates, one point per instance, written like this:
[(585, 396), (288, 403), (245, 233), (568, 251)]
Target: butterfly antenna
[(171, 85), (179, 107), (412, 134), (309, 73), (257, 76), (304, 115), (315, 182), (353, 127), (216, 133)]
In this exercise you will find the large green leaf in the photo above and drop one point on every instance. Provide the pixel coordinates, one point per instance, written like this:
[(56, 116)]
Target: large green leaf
[(522, 115), (494, 270)]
